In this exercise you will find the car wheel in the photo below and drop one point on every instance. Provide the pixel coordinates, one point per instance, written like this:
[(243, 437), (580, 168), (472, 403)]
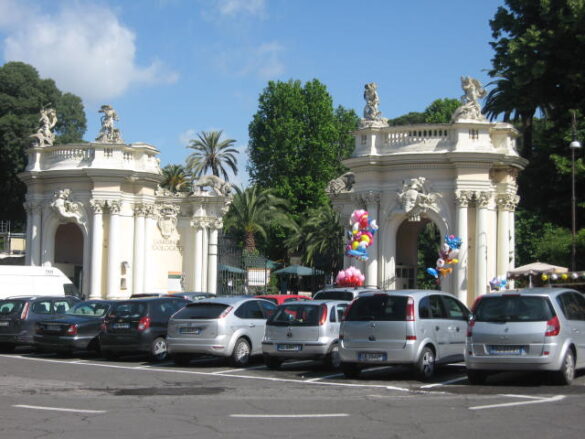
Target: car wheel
[(424, 368), (332, 360), (158, 349), (272, 362), (94, 346), (182, 359), (7, 347), (476, 377), (566, 374), (350, 370), (241, 354)]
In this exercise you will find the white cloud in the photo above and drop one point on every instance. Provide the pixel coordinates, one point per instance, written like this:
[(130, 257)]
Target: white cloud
[(264, 61), (83, 47), (186, 136), (232, 8)]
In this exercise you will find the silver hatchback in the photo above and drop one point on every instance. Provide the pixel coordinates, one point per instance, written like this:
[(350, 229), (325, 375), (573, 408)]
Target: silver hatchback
[(418, 328), (303, 330), (231, 327), (539, 329)]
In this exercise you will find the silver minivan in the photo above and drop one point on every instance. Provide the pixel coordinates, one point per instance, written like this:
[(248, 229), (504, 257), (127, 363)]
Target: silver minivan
[(538, 329), (419, 328), (231, 327), (303, 330)]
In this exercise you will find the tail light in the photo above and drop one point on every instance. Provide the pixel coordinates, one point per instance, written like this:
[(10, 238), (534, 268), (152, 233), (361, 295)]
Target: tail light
[(410, 310), (72, 330), (226, 312), (553, 327), (143, 323), (470, 326), (323, 317), (24, 313)]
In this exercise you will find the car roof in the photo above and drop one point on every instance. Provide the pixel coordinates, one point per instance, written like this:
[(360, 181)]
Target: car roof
[(350, 289), (228, 300), (275, 296), (412, 293), (33, 297), (316, 302), (149, 299), (540, 291)]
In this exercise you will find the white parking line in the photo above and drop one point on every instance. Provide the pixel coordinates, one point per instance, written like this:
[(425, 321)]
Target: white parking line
[(512, 404), (444, 383), (242, 369), (309, 415), (312, 380), (58, 409)]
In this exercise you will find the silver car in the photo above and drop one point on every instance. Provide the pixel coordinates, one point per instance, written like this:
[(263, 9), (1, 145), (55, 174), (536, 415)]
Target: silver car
[(539, 329), (303, 330), (341, 293), (419, 328), (231, 327)]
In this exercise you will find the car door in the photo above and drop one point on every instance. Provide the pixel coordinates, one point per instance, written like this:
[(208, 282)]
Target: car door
[(253, 323), (458, 317), (440, 325), (573, 307)]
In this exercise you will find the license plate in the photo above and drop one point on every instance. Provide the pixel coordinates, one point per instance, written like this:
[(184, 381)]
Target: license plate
[(372, 356), (53, 328), (4, 323), (189, 330), (506, 350), (289, 347), (121, 325)]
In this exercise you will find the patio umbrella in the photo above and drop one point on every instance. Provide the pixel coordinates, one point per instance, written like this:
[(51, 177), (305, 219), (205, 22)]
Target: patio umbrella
[(231, 269), (536, 268), (298, 270)]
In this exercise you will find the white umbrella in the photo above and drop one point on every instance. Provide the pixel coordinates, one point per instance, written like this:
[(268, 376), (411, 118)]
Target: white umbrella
[(536, 268)]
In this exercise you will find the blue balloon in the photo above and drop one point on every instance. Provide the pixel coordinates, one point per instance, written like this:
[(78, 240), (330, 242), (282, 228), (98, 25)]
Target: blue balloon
[(433, 272)]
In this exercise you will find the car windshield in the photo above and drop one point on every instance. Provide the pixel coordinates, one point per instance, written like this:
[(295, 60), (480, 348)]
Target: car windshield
[(129, 309), (334, 295), (513, 309), (295, 314), (379, 307), (201, 311), (91, 309), (8, 307)]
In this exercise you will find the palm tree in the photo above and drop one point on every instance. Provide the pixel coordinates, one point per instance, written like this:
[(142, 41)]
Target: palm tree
[(212, 153), (174, 178), (251, 212)]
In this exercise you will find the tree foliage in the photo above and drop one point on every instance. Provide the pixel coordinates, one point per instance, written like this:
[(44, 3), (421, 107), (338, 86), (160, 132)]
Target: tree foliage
[(174, 178), (439, 111), (212, 153), (22, 95), (297, 142)]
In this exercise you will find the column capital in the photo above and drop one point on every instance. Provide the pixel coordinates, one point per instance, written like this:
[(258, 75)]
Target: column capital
[(370, 197), (32, 207), (140, 209), (202, 222), (114, 206), (482, 199), (507, 201), (463, 198), (97, 206)]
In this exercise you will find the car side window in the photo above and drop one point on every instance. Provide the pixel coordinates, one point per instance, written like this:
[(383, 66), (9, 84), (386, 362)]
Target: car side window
[(424, 310), (249, 310), (332, 316), (340, 311), (569, 306), (41, 307), (268, 308), (580, 305), (456, 310), (436, 307), (61, 306)]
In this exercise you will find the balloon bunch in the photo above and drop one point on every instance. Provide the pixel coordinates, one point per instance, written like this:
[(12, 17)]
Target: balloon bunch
[(447, 256), (350, 277), (361, 235), (498, 283)]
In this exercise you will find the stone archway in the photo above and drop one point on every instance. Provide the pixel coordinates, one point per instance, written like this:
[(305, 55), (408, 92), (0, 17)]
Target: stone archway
[(68, 257)]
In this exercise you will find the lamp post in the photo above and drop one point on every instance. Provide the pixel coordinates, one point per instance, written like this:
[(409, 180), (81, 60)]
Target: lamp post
[(574, 145)]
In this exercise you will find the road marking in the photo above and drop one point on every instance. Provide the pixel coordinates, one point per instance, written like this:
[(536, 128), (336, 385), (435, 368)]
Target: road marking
[(58, 409), (444, 383), (241, 369), (512, 404), (510, 395), (312, 380), (309, 415)]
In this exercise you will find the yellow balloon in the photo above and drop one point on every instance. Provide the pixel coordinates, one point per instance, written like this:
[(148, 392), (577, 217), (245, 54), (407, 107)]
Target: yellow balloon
[(544, 277), (454, 261), (564, 276), (366, 239), (355, 245)]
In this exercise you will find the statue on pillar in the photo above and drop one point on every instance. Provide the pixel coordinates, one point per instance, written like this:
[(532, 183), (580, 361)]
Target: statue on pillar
[(44, 136), (372, 115), (470, 108), (108, 132)]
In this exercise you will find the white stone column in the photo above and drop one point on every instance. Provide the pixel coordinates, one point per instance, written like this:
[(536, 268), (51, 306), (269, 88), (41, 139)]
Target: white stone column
[(97, 242), (149, 225), (113, 281), (212, 262), (36, 235), (481, 281), (198, 253), (372, 201), (204, 255), (138, 249), (503, 203), (47, 237), (28, 239), (462, 199)]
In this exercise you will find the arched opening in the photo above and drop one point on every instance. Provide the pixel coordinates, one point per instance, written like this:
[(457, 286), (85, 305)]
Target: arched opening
[(417, 245), (69, 252)]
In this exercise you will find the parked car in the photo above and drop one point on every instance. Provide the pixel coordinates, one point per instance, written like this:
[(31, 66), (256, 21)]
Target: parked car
[(78, 329), (18, 316), (279, 299), (343, 293), (193, 296), (231, 327), (418, 328), (139, 326), (540, 329), (303, 330)]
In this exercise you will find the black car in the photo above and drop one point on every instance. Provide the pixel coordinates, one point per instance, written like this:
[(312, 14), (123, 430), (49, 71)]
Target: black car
[(19, 315), (78, 329), (139, 325)]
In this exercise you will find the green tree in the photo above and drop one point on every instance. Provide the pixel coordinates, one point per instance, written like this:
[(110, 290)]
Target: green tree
[(441, 110), (212, 153), (22, 95), (174, 178), (297, 141)]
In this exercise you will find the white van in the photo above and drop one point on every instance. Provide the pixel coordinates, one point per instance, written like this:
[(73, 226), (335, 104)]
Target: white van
[(20, 280)]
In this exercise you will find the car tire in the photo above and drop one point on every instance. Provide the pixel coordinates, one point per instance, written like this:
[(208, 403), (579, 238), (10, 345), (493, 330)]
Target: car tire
[(424, 368), (566, 373), (241, 354), (476, 377), (350, 370), (158, 349), (7, 348), (332, 360), (182, 359), (94, 346), (272, 363)]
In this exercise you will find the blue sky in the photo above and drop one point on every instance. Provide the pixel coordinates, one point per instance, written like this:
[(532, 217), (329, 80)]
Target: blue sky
[(173, 68)]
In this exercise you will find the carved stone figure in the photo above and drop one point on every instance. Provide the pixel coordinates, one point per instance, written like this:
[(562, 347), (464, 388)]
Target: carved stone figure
[(44, 136), (470, 108), (108, 132), (69, 211), (167, 219), (415, 199), (218, 185), (341, 184), (371, 111)]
